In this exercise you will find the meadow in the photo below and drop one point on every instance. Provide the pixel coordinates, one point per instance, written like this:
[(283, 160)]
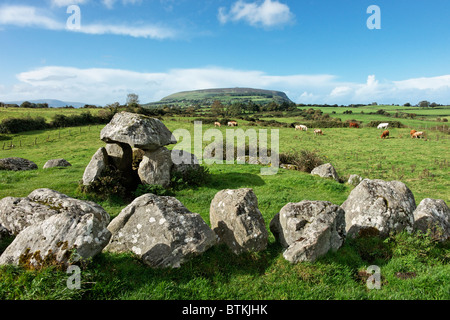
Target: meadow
[(422, 164)]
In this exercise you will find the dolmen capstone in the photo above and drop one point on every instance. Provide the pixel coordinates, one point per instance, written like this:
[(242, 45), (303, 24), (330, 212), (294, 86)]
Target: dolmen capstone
[(129, 134), (52, 228), (161, 231), (17, 164), (309, 229), (237, 221), (380, 206)]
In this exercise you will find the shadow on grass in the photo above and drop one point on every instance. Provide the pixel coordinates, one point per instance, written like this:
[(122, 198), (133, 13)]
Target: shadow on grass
[(234, 180)]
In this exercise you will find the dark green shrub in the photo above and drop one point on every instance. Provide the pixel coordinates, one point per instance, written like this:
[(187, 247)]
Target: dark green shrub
[(304, 160), (110, 185), (190, 178)]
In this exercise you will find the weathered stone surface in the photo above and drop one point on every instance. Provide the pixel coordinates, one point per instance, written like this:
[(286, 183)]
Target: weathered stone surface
[(16, 214), (433, 215), (96, 166), (385, 206), (237, 221), (326, 171), (56, 163), (120, 156), (184, 161), (72, 225), (155, 167), (354, 180), (309, 229), (138, 131), (17, 164), (161, 231)]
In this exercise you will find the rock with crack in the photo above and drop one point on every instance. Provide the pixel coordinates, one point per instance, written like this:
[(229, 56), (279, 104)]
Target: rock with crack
[(160, 231), (379, 205), (70, 230), (237, 221), (155, 167), (309, 229)]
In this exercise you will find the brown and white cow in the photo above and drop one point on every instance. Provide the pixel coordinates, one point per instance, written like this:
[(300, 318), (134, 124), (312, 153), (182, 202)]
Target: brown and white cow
[(318, 132), (232, 124), (418, 135), (217, 124)]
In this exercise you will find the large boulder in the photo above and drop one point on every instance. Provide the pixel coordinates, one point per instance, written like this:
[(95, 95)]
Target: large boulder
[(17, 164), (433, 215), (138, 131), (160, 231), (155, 167), (309, 229), (237, 221), (98, 164), (326, 171), (74, 230), (381, 206)]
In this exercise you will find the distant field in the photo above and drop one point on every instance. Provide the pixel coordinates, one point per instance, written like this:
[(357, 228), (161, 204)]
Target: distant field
[(46, 113)]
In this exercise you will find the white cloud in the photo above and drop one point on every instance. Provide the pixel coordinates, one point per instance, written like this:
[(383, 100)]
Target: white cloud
[(110, 3), (66, 3), (104, 86), (27, 16), (268, 13)]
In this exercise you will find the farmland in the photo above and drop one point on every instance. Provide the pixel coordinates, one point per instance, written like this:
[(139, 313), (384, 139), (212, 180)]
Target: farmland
[(422, 164)]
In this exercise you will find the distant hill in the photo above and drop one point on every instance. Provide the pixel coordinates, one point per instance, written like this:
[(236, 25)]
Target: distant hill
[(51, 103), (225, 95)]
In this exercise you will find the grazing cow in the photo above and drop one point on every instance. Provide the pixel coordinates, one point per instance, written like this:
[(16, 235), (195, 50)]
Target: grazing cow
[(301, 128), (383, 126), (318, 132), (217, 124), (232, 124), (385, 134), (417, 135), (412, 133), (353, 125)]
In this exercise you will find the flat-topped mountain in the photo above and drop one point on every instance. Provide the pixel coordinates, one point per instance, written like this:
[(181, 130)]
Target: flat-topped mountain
[(225, 95)]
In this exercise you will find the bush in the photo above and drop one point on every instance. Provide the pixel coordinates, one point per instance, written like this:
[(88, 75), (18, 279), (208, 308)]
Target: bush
[(16, 125), (190, 178), (304, 160), (109, 186)]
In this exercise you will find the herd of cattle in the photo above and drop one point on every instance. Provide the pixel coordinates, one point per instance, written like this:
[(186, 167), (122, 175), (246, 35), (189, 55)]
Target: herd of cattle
[(414, 134)]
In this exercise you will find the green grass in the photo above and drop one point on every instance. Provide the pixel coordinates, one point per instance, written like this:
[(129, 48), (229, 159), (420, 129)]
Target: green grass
[(218, 274), (46, 113)]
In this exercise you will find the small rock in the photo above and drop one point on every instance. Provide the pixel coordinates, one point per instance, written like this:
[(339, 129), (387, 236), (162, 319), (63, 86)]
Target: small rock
[(95, 168), (56, 163), (326, 171)]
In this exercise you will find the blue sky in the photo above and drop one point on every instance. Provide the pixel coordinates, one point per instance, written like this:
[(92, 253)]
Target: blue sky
[(317, 51)]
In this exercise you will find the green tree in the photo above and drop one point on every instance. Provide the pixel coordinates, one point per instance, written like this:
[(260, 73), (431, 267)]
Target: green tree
[(217, 109), (424, 104), (132, 100)]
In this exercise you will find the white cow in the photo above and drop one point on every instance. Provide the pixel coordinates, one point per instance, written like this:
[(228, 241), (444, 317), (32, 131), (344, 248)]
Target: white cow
[(301, 128), (383, 126)]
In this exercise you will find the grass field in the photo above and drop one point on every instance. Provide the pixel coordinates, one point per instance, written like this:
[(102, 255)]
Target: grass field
[(421, 164)]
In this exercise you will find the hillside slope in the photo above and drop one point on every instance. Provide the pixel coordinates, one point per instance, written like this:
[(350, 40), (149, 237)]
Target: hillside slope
[(225, 95)]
